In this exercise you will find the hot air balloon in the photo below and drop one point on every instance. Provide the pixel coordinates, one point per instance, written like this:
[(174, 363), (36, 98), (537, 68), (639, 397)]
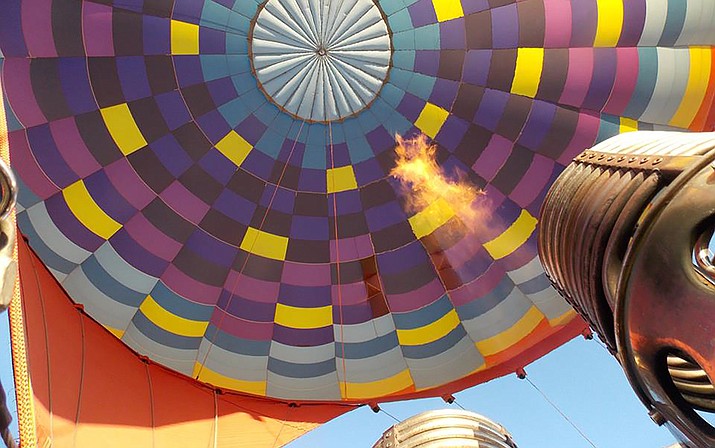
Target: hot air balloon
[(214, 231)]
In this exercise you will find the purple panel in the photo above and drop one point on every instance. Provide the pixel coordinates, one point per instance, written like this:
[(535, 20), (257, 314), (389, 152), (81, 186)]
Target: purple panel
[(283, 200), (427, 62), (534, 181), (340, 154), (303, 337), (252, 289), (258, 164), (251, 129), (108, 198), (247, 309), (97, 29), (352, 314), (291, 149), (402, 259), (66, 222), (355, 248), (346, 201), (475, 267), (493, 157), (422, 13), (129, 183), (413, 300), (384, 215), (585, 21), (171, 155), (137, 254), (310, 228), (472, 6), (72, 148), (152, 239), (452, 34), (222, 90), (187, 287), (188, 70), (37, 24), (215, 164), (157, 35), (187, 11), (584, 137), (444, 93), (604, 75), (368, 171), (76, 86), (478, 288), (349, 294), (312, 181), (235, 206), (11, 30), (491, 109), (476, 67), (211, 249), (380, 140), (173, 109), (213, 125), (303, 274), (634, 13), (452, 132), (305, 296), (410, 107), (133, 77), (255, 331), (537, 124), (18, 88), (48, 156), (184, 202), (211, 41), (505, 27)]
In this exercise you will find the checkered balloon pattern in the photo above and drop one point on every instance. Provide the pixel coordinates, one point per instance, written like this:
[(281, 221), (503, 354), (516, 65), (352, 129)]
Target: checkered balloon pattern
[(211, 180)]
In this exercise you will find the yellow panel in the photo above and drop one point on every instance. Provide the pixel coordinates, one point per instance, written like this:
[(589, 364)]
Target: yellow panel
[(341, 179), (448, 9), (184, 38), (88, 212), (123, 128), (294, 317), (431, 119), (171, 322), (387, 386), (431, 332), (512, 335), (627, 125), (234, 147), (431, 218), (700, 67), (115, 331), (265, 244), (513, 237), (209, 376), (610, 23), (527, 76)]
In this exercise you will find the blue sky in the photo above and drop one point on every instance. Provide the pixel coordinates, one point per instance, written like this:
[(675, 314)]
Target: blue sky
[(580, 377)]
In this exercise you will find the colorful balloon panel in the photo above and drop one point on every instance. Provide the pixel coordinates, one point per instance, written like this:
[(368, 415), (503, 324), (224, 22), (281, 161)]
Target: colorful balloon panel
[(180, 187)]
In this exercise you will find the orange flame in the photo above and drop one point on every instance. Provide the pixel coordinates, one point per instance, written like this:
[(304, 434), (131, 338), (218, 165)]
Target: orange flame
[(426, 182)]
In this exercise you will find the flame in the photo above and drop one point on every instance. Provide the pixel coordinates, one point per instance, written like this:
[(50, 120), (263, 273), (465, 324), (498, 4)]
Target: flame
[(425, 182)]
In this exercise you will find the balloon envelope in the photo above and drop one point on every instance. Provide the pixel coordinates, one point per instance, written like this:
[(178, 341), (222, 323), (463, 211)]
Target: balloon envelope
[(212, 181)]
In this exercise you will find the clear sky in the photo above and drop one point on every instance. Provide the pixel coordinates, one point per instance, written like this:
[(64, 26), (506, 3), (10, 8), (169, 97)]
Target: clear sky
[(584, 381)]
